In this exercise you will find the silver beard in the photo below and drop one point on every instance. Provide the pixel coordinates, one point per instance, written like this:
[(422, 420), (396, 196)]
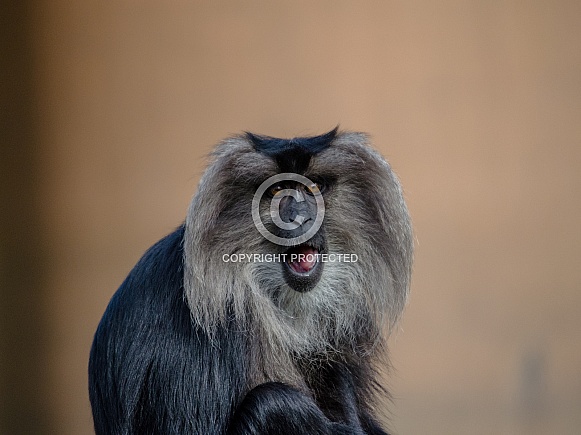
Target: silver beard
[(353, 307)]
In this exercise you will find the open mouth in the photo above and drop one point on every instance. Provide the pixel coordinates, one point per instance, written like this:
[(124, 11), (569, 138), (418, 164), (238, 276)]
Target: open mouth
[(302, 268), (302, 259)]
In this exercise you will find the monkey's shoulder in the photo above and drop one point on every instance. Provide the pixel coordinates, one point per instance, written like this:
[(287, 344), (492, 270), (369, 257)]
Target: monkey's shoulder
[(147, 319), (158, 272), (150, 363), (151, 294)]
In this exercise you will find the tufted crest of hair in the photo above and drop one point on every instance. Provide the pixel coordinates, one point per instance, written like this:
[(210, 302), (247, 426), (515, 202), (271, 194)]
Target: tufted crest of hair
[(353, 304)]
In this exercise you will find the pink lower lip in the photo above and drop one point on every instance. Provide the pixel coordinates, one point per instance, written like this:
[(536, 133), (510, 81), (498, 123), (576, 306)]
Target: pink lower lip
[(304, 259)]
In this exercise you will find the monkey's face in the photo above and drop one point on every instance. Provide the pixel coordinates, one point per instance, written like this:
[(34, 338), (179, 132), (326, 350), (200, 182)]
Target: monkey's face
[(309, 232), (294, 209)]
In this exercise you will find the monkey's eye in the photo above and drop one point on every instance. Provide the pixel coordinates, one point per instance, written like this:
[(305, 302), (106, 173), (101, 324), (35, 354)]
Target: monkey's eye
[(316, 188), (275, 189)]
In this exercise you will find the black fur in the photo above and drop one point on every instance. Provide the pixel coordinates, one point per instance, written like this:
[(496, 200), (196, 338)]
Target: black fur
[(152, 371), (292, 155)]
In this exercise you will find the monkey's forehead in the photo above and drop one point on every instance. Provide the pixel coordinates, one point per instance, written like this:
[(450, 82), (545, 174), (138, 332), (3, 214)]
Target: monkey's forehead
[(292, 155)]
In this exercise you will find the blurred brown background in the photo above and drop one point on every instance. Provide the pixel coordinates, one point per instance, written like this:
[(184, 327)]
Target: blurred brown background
[(109, 110)]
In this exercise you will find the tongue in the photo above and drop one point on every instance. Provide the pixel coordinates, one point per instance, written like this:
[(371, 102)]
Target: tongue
[(303, 259)]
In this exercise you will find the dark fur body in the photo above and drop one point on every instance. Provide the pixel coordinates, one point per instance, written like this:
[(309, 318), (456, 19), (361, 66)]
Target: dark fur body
[(189, 345)]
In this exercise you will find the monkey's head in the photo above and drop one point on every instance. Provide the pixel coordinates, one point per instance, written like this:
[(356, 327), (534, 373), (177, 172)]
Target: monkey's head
[(307, 242)]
